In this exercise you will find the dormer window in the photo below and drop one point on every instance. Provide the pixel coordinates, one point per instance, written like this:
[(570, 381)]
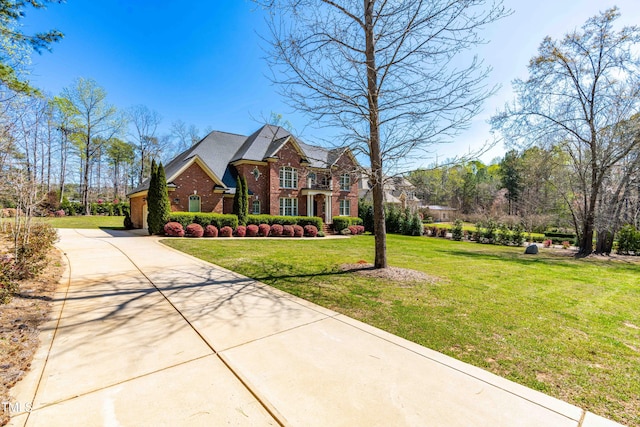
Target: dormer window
[(288, 177)]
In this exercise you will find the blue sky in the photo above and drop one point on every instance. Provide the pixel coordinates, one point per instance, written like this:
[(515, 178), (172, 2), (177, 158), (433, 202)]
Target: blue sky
[(202, 62)]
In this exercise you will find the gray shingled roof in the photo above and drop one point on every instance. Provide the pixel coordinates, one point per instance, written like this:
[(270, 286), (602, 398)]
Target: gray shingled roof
[(219, 149)]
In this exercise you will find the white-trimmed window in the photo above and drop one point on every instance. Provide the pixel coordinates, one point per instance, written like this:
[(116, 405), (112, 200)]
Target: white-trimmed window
[(345, 182), (288, 177), (345, 208), (255, 207), (288, 207)]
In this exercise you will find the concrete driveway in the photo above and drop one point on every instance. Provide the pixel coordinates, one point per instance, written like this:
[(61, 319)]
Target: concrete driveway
[(144, 335)]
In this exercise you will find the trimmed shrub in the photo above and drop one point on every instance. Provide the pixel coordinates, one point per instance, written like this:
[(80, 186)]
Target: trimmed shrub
[(547, 243), (226, 231), (320, 234), (342, 222), (287, 230), (184, 218), (310, 231), (218, 220), (298, 231), (174, 229), (353, 229), (252, 230), (276, 230), (241, 231), (302, 221), (264, 230), (456, 230), (194, 230), (204, 219), (211, 231), (285, 220)]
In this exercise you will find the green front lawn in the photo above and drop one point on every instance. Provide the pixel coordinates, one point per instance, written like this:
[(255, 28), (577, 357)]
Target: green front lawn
[(93, 221), (564, 326)]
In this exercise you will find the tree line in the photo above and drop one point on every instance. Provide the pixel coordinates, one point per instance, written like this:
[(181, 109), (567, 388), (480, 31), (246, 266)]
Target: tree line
[(82, 147)]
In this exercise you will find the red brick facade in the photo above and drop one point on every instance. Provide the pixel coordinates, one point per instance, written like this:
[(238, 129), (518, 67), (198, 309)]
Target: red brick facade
[(263, 181), (194, 178)]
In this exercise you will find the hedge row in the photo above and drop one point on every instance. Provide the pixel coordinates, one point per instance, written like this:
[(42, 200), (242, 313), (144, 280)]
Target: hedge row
[(175, 229), (285, 220), (342, 222), (204, 219)]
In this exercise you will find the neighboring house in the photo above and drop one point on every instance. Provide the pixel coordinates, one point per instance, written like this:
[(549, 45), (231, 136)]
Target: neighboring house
[(284, 177), (398, 191), (441, 213)]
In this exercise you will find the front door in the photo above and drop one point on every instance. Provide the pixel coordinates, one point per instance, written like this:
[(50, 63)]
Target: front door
[(194, 203)]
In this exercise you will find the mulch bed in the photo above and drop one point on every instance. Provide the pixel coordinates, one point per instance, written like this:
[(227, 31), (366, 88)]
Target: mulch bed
[(19, 326), (394, 274)]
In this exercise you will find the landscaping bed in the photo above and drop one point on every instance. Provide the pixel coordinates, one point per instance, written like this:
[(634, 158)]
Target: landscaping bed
[(20, 320)]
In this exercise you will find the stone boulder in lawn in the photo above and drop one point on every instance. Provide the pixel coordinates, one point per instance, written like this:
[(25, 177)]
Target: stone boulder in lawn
[(531, 249)]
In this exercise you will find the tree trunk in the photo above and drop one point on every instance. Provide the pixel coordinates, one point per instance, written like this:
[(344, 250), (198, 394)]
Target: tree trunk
[(85, 178), (586, 240), (374, 140)]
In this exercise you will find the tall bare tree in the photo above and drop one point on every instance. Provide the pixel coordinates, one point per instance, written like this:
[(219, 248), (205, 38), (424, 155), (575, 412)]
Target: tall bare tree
[(95, 121), (387, 73), (145, 125), (121, 156), (183, 136), (579, 89)]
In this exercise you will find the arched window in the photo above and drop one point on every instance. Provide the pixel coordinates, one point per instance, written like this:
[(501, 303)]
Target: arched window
[(194, 203), (288, 177), (255, 207)]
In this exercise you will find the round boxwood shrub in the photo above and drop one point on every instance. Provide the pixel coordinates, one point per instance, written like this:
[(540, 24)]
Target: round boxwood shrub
[(241, 231), (287, 231), (226, 231), (310, 230), (298, 231), (174, 229), (276, 230), (264, 230), (252, 230), (211, 231), (194, 230)]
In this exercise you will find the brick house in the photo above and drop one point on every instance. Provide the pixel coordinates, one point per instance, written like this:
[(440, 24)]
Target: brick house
[(284, 177)]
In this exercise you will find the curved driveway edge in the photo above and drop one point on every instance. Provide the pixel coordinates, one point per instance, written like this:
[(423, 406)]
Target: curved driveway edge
[(146, 335)]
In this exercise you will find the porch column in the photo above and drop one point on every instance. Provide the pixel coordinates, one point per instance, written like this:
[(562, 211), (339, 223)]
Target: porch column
[(327, 209), (309, 204)]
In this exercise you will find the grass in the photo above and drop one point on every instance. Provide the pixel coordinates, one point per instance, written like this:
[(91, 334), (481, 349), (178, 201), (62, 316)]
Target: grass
[(564, 326), (80, 221)]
